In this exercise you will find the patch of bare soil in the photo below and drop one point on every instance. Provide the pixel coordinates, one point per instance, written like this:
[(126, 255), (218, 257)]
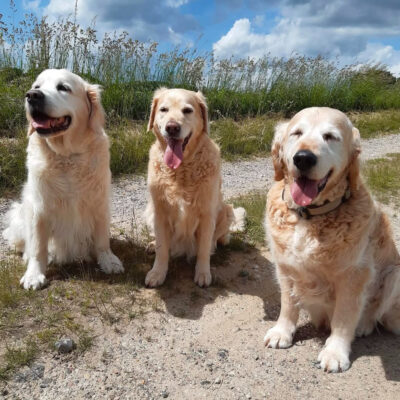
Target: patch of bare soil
[(209, 344)]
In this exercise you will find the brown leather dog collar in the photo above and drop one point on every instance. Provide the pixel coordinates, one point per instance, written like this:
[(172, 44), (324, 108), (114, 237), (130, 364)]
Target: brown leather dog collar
[(313, 210)]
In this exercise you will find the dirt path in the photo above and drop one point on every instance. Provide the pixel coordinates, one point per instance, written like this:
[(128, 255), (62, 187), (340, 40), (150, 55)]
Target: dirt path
[(207, 344)]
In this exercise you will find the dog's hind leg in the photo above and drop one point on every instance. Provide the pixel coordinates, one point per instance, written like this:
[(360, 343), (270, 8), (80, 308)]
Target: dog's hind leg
[(229, 220), (107, 260), (15, 233), (239, 222), (390, 305), (225, 218)]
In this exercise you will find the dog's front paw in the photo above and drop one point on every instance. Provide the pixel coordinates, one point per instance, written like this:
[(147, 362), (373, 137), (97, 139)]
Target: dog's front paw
[(335, 356), (109, 263), (278, 337), (33, 280), (203, 277), (155, 277)]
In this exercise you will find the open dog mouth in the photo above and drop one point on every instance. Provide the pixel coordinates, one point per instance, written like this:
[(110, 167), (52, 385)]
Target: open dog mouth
[(304, 190), (45, 125), (173, 155)]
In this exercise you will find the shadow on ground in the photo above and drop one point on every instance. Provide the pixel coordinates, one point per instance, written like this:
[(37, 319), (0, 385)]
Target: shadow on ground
[(236, 271)]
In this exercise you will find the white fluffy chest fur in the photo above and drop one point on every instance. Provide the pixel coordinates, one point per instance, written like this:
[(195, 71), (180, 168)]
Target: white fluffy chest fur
[(69, 192)]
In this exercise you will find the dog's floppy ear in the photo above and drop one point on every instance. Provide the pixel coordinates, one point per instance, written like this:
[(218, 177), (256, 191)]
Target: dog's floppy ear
[(96, 111), (354, 166), (276, 149), (153, 109), (204, 110)]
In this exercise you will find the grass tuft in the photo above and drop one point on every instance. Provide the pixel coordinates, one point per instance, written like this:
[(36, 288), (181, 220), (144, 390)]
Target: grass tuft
[(16, 357), (383, 177), (254, 204)]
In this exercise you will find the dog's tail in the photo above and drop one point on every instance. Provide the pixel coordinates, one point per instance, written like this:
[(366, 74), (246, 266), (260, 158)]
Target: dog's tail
[(239, 222), (14, 234)]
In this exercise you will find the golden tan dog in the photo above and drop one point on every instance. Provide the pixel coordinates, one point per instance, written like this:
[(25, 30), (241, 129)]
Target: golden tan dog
[(332, 245), (186, 210)]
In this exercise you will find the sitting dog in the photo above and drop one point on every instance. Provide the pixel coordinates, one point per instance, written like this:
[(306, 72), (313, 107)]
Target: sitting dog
[(186, 211), (332, 245), (64, 215)]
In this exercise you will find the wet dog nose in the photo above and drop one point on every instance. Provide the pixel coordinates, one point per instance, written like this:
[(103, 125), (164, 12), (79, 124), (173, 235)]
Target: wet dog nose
[(34, 96), (173, 128), (304, 160)]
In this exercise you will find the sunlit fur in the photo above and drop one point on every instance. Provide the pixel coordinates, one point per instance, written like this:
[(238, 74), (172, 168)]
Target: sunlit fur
[(64, 212), (343, 266), (186, 210)]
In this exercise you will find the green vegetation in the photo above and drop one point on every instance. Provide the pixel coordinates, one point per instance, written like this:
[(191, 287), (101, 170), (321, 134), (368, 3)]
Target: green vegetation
[(130, 71), (383, 177), (245, 97), (254, 204), (373, 124)]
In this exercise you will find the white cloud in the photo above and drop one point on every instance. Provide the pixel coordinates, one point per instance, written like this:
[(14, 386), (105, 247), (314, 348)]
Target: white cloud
[(258, 20), (284, 40), (33, 5), (176, 3), (377, 53), (144, 19), (314, 28)]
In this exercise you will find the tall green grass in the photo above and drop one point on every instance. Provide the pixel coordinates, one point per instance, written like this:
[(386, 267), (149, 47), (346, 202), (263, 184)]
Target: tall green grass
[(245, 97), (383, 177), (130, 70)]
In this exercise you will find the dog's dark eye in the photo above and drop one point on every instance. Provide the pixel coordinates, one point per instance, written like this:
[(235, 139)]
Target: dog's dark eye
[(62, 88), (187, 110), (36, 87), (328, 136), (163, 109), (296, 133)]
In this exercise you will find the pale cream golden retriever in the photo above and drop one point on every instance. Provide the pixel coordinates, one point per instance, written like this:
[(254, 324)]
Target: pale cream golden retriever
[(331, 243), (64, 214), (186, 210)]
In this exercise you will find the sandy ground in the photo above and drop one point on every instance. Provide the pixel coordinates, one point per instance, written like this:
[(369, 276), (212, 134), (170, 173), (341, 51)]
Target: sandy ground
[(208, 343)]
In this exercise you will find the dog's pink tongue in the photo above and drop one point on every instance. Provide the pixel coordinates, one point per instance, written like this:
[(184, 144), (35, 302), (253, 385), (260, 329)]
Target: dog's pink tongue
[(173, 155), (44, 123), (304, 191)]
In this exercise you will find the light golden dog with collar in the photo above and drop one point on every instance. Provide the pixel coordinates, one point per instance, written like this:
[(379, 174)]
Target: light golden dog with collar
[(186, 211), (332, 245)]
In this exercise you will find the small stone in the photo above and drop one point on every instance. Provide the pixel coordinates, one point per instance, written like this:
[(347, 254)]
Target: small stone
[(37, 371), (65, 345), (243, 273), (218, 381), (205, 382), (248, 396), (223, 353), (164, 394)]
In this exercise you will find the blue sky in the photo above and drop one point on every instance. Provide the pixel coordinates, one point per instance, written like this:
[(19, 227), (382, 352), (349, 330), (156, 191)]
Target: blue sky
[(350, 31)]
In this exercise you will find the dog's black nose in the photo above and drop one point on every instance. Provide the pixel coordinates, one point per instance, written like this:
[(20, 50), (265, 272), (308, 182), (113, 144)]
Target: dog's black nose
[(173, 128), (34, 96), (304, 160)]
